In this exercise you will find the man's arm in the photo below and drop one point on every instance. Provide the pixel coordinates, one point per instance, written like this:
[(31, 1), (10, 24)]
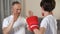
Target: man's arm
[(7, 29), (39, 31)]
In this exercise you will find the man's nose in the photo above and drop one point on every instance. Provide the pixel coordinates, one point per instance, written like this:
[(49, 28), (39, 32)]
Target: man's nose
[(18, 11)]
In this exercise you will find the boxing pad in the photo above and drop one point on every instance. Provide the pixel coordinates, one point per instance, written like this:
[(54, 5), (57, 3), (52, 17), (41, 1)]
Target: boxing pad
[(32, 22)]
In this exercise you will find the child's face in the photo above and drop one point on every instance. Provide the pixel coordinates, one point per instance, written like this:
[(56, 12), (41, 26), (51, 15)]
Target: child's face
[(42, 12), (45, 13)]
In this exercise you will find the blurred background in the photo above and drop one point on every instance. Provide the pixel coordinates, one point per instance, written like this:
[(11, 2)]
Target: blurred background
[(33, 5)]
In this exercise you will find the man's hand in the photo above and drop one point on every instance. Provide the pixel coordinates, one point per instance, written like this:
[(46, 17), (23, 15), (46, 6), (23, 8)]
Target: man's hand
[(15, 17), (6, 30), (30, 13)]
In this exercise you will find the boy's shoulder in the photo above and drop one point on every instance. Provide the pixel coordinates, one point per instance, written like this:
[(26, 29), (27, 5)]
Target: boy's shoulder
[(49, 17)]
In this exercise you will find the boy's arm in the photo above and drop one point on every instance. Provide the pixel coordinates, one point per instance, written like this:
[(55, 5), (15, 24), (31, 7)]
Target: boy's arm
[(39, 31), (42, 28)]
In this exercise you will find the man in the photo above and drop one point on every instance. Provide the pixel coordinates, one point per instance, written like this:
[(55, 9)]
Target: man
[(48, 24), (14, 24)]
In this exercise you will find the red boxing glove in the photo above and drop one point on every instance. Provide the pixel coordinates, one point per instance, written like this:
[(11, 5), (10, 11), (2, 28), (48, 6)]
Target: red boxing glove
[(32, 22)]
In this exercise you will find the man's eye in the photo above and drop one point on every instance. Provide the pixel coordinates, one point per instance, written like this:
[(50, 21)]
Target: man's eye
[(18, 9)]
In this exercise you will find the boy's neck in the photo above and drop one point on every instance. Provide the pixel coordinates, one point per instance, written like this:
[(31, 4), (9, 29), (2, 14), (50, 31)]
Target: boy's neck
[(48, 13)]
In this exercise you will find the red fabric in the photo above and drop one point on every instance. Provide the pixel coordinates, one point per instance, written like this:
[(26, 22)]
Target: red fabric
[(31, 21)]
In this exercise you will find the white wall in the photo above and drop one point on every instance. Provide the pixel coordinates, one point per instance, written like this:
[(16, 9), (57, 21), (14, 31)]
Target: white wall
[(34, 5), (57, 9)]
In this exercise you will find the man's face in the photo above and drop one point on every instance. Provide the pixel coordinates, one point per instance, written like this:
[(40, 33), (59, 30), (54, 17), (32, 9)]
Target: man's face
[(16, 9)]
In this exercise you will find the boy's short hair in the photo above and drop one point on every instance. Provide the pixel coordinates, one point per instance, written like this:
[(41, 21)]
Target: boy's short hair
[(48, 5), (15, 2)]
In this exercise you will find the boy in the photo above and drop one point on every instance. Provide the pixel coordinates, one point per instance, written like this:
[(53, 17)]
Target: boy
[(49, 23)]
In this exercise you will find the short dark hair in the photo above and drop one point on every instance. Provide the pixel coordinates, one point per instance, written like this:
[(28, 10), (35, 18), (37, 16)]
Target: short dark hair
[(15, 2), (48, 5)]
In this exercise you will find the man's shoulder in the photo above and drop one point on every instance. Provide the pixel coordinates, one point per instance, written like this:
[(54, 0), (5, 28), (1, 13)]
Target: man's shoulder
[(7, 18)]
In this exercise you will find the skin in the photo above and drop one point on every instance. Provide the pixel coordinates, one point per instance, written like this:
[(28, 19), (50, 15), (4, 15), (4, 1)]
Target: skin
[(30, 13), (16, 10)]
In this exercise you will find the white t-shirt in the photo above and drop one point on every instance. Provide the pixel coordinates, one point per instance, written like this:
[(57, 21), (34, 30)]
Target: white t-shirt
[(50, 24), (18, 27)]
